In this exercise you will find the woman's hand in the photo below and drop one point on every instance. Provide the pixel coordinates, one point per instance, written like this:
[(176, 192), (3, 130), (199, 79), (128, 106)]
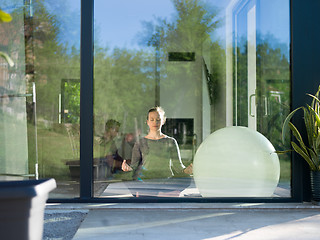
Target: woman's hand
[(189, 169), (125, 167)]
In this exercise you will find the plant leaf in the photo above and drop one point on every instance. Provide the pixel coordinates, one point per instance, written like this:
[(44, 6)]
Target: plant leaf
[(7, 58), (286, 121), (284, 151), (5, 17), (314, 125), (308, 124), (318, 145), (304, 155), (315, 114), (297, 135), (315, 100), (314, 97), (314, 157)]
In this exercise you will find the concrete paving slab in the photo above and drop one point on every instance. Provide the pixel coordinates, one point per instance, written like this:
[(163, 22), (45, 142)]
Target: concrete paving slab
[(199, 223)]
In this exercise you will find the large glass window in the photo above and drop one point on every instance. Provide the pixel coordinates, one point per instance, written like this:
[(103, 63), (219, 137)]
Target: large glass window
[(39, 104), (209, 65)]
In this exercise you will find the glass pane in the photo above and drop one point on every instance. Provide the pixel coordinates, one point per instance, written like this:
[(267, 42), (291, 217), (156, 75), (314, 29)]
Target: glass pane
[(13, 94), (209, 65), (40, 93), (262, 80)]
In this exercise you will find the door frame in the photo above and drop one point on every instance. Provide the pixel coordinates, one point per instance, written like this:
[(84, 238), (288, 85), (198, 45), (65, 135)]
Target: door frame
[(233, 9)]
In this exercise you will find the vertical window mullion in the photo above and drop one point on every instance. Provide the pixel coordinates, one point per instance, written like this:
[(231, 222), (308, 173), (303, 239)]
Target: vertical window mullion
[(86, 100)]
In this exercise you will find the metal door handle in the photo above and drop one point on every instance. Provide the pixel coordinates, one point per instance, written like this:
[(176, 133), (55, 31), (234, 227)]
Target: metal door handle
[(250, 102), (266, 112)]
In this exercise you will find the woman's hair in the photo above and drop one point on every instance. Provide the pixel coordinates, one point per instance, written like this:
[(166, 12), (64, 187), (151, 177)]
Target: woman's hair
[(159, 110)]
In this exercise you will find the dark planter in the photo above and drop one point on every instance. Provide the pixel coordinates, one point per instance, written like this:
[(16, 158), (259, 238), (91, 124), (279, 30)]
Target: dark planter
[(315, 185), (22, 205)]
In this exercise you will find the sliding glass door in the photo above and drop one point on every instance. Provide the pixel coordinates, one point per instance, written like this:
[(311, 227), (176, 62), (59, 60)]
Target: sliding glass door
[(262, 78), (209, 64)]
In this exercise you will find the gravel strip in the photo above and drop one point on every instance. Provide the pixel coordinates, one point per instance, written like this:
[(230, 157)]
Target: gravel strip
[(62, 225)]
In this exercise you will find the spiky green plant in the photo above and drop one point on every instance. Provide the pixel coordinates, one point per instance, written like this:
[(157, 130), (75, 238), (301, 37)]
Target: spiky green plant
[(311, 151)]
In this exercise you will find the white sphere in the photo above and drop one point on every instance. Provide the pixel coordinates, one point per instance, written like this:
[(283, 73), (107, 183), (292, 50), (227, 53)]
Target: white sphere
[(236, 162)]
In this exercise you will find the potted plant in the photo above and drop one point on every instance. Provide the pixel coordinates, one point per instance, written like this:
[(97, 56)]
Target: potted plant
[(309, 151)]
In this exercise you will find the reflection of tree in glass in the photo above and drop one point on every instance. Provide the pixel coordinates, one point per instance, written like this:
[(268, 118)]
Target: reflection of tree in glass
[(273, 87), (123, 85), (192, 25), (48, 59), (72, 101), (126, 80), (273, 79)]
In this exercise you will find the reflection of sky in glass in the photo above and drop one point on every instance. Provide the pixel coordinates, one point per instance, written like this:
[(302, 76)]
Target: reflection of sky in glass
[(274, 25), (119, 22), (11, 5)]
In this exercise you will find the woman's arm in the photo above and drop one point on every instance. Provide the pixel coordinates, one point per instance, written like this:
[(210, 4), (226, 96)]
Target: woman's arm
[(136, 160), (176, 164)]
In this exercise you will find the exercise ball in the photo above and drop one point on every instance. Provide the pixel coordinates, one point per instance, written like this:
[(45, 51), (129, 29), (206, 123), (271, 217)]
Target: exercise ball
[(236, 162)]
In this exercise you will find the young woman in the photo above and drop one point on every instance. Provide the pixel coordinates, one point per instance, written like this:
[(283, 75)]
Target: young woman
[(156, 156)]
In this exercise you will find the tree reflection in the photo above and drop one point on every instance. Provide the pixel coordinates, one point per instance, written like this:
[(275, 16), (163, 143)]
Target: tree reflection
[(127, 81)]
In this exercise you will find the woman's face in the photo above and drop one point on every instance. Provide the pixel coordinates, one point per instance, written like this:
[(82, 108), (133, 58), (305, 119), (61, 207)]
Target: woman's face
[(155, 121)]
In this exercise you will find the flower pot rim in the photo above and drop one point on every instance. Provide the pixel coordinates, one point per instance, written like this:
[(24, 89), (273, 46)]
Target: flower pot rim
[(26, 188)]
